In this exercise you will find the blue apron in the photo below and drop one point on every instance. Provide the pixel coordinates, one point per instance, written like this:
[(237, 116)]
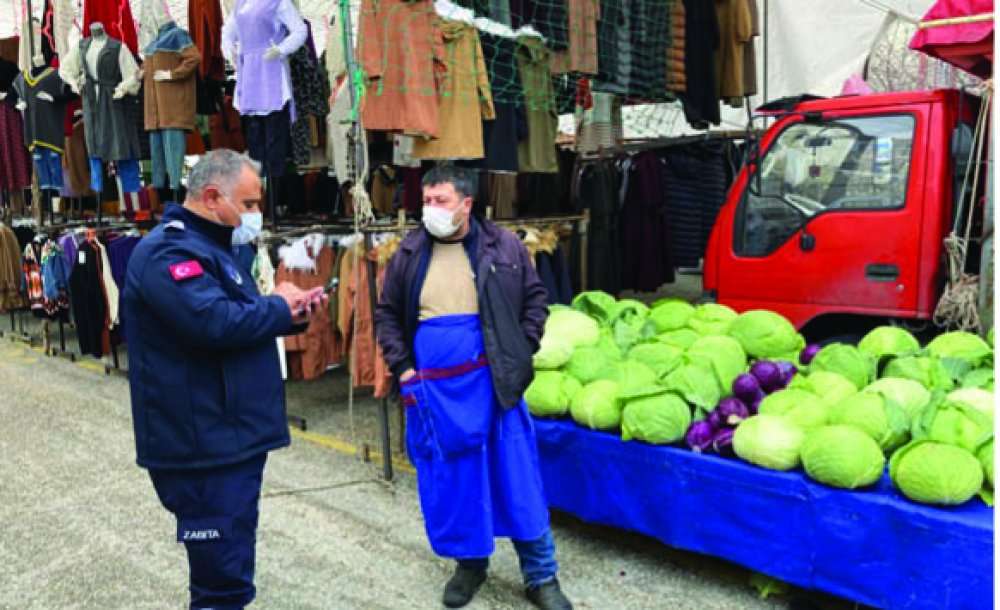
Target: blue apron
[(477, 464)]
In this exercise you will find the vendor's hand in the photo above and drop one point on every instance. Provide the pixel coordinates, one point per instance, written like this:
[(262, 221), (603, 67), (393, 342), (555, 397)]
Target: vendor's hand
[(161, 75), (273, 52), (407, 375), (45, 97)]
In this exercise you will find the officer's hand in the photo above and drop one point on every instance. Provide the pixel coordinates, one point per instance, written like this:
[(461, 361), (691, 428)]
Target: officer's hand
[(293, 296)]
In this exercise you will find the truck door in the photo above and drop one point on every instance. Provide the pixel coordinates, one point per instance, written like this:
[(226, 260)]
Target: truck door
[(831, 221)]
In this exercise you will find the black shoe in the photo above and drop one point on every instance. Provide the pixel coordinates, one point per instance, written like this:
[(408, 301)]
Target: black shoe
[(463, 586), (549, 596)]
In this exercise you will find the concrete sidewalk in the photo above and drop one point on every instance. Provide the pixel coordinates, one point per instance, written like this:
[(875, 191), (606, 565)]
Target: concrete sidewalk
[(82, 528)]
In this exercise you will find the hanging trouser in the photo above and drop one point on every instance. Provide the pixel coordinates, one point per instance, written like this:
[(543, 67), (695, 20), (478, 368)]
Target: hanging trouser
[(477, 463), (216, 510), (269, 140), (167, 148)]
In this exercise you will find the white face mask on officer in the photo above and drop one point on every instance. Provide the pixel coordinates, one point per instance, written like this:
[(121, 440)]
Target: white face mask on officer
[(440, 222), (251, 224)]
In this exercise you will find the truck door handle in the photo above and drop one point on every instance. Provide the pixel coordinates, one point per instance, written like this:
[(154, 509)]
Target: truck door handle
[(807, 242), (878, 272)]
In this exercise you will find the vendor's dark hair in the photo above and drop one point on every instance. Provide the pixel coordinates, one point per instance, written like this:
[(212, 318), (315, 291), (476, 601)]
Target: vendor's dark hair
[(465, 181)]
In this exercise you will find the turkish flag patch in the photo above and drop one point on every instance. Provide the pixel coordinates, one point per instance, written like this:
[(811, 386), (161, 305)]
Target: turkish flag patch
[(186, 270)]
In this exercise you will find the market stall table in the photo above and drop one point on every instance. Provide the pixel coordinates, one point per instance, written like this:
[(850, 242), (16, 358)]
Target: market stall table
[(873, 546)]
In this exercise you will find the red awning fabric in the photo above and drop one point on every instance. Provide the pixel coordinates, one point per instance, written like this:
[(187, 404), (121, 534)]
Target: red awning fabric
[(116, 15), (968, 43)]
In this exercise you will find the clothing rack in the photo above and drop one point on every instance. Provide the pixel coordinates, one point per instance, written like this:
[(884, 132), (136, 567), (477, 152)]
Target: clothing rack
[(633, 146)]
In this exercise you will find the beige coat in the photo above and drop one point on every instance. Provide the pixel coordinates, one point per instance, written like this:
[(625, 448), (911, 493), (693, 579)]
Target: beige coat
[(170, 104), (464, 97)]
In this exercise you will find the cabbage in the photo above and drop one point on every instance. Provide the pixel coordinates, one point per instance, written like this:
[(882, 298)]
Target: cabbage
[(842, 456), (571, 326), (659, 417), (765, 334), (989, 337), (711, 319), (596, 304), (633, 377), (929, 372), (629, 310), (592, 363), (882, 419), (936, 473), (769, 441), (683, 338), (550, 393), (847, 360), (552, 353), (830, 387), (671, 315), (981, 400), (803, 408), (979, 378), (908, 394), (961, 345), (597, 406), (985, 455), (724, 354), (697, 383), (661, 358), (954, 423), (889, 341)]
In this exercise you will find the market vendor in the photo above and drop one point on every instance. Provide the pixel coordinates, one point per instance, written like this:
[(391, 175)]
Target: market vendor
[(208, 401), (461, 314)]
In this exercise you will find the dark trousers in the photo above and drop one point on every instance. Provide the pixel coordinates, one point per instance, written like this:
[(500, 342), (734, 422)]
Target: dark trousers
[(216, 510), (269, 140)]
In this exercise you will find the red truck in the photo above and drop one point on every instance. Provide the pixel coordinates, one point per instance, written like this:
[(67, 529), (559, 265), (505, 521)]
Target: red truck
[(838, 219)]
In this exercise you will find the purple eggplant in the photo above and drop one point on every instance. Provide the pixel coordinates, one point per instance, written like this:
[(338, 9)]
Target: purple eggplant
[(754, 404), (768, 374), (746, 387), (716, 418), (700, 435), (732, 411), (722, 442), (809, 353)]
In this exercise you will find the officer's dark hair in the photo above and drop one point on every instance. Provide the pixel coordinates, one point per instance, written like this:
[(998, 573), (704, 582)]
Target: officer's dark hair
[(465, 181), (221, 168)]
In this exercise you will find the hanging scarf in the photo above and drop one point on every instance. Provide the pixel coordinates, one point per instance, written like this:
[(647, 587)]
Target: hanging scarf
[(170, 38)]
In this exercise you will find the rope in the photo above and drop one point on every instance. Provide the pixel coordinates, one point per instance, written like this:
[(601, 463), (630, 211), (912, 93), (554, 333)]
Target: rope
[(958, 307)]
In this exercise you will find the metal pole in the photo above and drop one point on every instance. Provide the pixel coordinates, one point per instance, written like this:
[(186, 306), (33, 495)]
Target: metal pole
[(767, 29), (31, 32), (352, 75), (986, 279)]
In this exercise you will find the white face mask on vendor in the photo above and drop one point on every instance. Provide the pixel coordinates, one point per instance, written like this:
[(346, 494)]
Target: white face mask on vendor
[(440, 222)]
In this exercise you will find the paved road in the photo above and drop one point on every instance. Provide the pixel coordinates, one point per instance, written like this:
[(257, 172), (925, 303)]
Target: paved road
[(81, 526)]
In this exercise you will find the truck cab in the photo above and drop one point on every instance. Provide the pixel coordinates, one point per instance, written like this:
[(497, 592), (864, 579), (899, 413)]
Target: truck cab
[(837, 220)]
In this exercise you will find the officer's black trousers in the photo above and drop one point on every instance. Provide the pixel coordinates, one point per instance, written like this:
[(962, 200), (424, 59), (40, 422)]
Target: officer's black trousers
[(216, 510)]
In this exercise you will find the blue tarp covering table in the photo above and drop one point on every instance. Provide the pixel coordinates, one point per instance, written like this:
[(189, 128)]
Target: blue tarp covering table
[(873, 547)]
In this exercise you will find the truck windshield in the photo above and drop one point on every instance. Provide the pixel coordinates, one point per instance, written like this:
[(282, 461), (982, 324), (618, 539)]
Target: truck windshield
[(814, 167)]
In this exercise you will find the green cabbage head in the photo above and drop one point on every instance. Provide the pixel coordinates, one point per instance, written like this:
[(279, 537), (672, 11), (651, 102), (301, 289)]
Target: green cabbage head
[(847, 360), (551, 393), (982, 378), (711, 319), (765, 334), (927, 371), (769, 441), (830, 387), (683, 338), (569, 325), (658, 417), (889, 341), (724, 354), (842, 456), (981, 400), (589, 364), (596, 304), (553, 353), (803, 408), (985, 455), (882, 419), (961, 345), (597, 406), (936, 473), (697, 383), (633, 377), (908, 394), (660, 357), (954, 423), (672, 314)]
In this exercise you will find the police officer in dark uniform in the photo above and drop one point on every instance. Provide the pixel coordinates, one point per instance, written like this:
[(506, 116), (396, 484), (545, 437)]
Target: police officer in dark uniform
[(208, 401)]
